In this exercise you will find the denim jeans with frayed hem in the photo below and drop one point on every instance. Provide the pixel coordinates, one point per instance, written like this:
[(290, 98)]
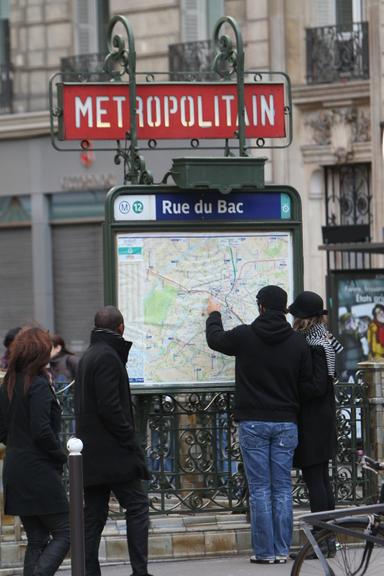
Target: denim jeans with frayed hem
[(267, 449)]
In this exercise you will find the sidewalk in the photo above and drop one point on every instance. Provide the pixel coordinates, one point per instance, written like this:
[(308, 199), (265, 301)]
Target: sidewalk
[(224, 566)]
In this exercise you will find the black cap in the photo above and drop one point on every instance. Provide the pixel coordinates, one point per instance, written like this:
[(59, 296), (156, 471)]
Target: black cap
[(272, 298), (10, 336), (307, 305)]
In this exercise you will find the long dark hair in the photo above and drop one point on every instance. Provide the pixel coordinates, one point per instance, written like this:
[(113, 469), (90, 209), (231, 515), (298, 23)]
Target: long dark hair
[(58, 341), (29, 356)]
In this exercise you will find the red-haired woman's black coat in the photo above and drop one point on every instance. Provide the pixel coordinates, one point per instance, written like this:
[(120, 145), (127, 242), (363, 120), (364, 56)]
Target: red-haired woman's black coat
[(34, 458)]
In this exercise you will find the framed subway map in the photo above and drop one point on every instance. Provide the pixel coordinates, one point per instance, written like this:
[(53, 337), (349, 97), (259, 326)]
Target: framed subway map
[(163, 285)]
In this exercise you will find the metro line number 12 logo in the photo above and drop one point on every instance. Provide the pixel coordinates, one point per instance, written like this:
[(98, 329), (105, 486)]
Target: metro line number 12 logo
[(137, 207)]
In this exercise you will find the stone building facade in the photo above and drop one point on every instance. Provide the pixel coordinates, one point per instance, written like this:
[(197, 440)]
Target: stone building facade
[(51, 203)]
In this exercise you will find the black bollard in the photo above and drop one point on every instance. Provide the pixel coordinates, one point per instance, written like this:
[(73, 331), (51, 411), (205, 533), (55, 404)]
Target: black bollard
[(76, 506)]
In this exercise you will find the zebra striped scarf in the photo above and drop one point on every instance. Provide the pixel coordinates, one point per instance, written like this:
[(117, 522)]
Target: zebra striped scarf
[(317, 335)]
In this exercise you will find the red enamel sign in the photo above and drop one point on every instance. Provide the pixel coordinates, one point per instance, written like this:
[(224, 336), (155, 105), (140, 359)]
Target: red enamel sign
[(170, 111)]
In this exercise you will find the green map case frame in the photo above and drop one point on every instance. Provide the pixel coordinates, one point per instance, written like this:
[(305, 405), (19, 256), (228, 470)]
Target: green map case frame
[(167, 250)]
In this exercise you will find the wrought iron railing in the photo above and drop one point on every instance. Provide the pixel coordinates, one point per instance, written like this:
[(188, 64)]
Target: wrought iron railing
[(348, 202), (337, 53), (6, 89), (193, 453), (190, 59), (88, 67), (192, 449)]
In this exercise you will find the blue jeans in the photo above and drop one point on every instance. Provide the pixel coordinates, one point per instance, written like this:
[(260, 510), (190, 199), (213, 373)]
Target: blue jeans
[(267, 449)]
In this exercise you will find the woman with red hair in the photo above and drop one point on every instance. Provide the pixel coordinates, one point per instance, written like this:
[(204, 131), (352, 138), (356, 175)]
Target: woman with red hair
[(30, 418)]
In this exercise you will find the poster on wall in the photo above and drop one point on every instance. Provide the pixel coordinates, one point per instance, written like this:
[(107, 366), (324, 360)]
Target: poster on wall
[(164, 282), (357, 317)]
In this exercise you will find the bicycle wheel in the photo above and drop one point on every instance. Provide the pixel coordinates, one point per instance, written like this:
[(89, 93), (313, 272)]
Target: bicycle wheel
[(354, 556)]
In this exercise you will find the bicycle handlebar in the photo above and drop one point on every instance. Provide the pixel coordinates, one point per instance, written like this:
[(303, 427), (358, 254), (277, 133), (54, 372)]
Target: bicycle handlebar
[(369, 463)]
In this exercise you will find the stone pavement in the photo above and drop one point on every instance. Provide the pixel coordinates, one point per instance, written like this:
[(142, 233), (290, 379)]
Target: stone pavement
[(223, 566)]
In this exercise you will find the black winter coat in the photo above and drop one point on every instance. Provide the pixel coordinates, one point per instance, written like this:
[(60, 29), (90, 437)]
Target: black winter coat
[(273, 370), (317, 418), (34, 458), (104, 416)]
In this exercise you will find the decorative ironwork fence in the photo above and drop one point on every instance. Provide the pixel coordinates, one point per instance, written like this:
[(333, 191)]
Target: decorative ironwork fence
[(337, 53), (193, 453), (190, 59), (88, 67), (6, 89)]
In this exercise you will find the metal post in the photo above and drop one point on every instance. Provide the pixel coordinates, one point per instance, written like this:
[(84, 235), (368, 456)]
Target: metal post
[(76, 513), (235, 59)]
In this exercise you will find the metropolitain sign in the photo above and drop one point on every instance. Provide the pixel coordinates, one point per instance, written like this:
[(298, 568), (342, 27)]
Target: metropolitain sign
[(169, 111)]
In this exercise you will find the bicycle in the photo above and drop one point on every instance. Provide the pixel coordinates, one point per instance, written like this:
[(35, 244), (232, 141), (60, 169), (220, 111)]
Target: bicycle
[(359, 535)]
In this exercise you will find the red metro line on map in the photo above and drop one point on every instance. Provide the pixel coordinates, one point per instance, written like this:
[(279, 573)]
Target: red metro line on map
[(170, 111)]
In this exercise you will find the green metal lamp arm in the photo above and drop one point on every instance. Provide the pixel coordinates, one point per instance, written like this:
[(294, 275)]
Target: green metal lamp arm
[(228, 55)]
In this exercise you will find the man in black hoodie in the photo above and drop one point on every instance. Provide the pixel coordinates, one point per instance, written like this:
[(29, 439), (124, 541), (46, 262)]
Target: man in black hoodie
[(273, 371), (112, 458)]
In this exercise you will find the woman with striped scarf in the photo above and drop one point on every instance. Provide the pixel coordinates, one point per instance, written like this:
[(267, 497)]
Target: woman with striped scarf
[(317, 419)]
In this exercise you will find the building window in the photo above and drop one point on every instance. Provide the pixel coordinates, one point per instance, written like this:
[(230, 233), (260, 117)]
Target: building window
[(348, 196), (4, 33), (198, 18), (194, 52), (337, 49), (348, 204), (336, 12)]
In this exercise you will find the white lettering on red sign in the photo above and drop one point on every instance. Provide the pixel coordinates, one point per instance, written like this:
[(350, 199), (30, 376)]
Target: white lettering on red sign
[(156, 112), (102, 111)]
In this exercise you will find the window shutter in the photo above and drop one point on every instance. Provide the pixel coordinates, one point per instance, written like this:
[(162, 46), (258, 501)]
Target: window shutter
[(193, 20), (86, 27), (344, 15), (323, 13), (5, 55)]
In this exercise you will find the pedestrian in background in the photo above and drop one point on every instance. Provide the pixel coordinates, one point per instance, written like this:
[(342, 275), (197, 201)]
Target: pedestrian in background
[(317, 420), (63, 363), (30, 418), (7, 343), (112, 458), (273, 371)]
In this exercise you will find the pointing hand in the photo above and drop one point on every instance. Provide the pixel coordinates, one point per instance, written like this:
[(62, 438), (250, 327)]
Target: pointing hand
[(213, 305)]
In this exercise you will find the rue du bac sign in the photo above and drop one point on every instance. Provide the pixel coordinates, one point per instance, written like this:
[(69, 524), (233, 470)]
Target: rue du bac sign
[(101, 111)]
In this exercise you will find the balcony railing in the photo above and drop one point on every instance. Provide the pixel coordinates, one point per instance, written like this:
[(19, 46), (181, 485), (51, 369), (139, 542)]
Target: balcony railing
[(337, 53), (89, 67), (6, 89), (191, 58)]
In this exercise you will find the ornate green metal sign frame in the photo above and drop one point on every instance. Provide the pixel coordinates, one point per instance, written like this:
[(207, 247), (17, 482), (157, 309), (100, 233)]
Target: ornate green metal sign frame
[(112, 226), (120, 64)]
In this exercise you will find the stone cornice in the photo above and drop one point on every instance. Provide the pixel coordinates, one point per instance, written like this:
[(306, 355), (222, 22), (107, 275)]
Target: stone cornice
[(24, 125), (326, 95), (325, 155)]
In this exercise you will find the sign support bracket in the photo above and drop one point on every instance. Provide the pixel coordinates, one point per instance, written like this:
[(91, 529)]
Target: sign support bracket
[(134, 164)]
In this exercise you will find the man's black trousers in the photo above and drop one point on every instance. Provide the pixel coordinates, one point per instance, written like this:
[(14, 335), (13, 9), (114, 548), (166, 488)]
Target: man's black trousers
[(134, 500)]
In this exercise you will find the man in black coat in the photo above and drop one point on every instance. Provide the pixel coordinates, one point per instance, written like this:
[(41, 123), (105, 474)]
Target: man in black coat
[(112, 458), (273, 371)]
